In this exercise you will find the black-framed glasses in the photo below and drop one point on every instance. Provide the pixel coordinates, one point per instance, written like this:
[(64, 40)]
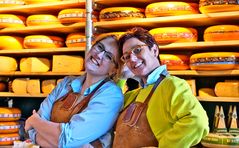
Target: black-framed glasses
[(135, 50)]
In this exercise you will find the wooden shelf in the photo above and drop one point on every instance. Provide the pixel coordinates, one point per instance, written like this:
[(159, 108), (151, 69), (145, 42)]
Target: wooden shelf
[(205, 73), (43, 7), (19, 73), (218, 99), (10, 94), (191, 20)]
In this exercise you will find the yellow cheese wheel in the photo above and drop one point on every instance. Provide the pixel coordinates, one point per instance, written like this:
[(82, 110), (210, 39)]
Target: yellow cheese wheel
[(165, 35), (40, 1), (43, 41), (76, 40), (42, 19), (33, 86), (170, 8), (221, 33), (34, 64), (206, 92), (75, 15), (227, 89), (175, 62), (212, 6), (9, 114), (8, 139), (19, 85), (48, 85), (67, 63), (10, 20), (214, 61), (120, 13), (11, 42), (9, 127), (8, 64), (9, 3)]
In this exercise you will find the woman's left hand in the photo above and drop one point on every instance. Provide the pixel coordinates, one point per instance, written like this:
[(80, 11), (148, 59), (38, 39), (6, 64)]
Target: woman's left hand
[(30, 121)]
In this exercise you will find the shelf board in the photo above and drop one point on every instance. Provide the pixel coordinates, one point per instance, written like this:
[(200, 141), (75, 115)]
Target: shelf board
[(43, 7), (59, 28), (191, 20), (10, 94), (42, 51), (218, 99), (19, 73), (205, 73)]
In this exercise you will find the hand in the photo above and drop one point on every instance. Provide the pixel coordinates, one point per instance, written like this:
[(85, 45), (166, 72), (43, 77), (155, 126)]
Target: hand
[(31, 120)]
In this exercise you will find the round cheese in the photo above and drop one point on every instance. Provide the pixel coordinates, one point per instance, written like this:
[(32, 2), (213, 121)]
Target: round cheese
[(76, 40), (10, 20), (8, 64), (9, 114), (212, 6), (206, 92), (42, 19), (40, 1), (9, 3), (9, 127), (227, 89), (43, 41), (175, 62), (8, 139), (19, 85), (11, 42)]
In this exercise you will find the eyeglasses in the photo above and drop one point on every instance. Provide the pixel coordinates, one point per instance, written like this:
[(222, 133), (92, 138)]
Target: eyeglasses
[(135, 50), (108, 56)]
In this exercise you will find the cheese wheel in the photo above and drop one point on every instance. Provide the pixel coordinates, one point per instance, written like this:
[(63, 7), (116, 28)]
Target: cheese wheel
[(8, 64), (212, 6), (42, 19), (227, 89), (43, 41), (175, 62), (68, 16), (214, 61), (67, 63), (8, 139), (10, 20), (48, 85), (34, 64), (120, 13), (19, 85), (76, 40), (9, 127), (117, 34), (221, 33), (9, 114), (206, 92), (40, 1), (9, 3), (170, 8), (11, 42), (33, 86), (165, 35), (3, 86)]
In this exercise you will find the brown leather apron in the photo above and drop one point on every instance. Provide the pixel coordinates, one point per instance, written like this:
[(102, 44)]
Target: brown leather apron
[(132, 128), (67, 106)]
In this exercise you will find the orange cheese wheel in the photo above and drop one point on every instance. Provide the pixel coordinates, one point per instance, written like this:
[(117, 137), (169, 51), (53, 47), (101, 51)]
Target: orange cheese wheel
[(42, 19), (120, 13), (175, 62), (227, 89), (8, 139), (212, 6), (8, 64), (39, 1), (221, 33), (165, 35), (11, 42), (9, 3), (9, 127), (43, 41), (10, 20), (76, 40), (170, 8), (75, 15), (9, 114), (214, 61)]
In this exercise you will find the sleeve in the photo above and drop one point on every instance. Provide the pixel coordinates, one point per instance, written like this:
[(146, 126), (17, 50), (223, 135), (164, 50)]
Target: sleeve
[(97, 119), (189, 119)]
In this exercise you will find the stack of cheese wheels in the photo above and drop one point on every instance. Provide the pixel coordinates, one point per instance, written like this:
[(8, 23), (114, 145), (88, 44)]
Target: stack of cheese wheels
[(210, 6), (10, 20), (221, 33), (170, 9), (120, 13), (8, 64), (11, 42), (42, 19), (214, 61), (165, 35), (68, 16), (34, 64), (9, 126), (175, 62), (9, 3), (39, 1), (227, 89), (43, 41), (76, 40)]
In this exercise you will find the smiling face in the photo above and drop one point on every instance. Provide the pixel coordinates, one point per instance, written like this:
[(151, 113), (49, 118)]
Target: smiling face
[(102, 59)]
